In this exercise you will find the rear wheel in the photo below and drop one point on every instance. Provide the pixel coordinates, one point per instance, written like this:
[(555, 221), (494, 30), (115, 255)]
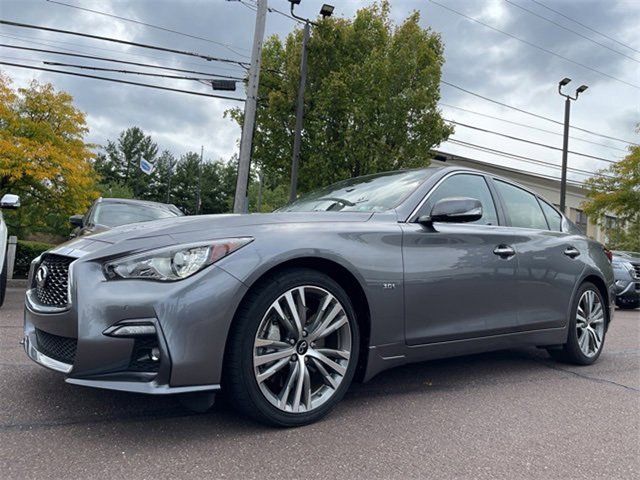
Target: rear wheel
[(293, 349), (586, 328)]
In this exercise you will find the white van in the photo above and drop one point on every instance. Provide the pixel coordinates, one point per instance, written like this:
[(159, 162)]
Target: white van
[(8, 201)]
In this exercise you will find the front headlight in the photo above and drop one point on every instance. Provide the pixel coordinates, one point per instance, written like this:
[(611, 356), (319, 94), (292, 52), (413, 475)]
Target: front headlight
[(173, 263)]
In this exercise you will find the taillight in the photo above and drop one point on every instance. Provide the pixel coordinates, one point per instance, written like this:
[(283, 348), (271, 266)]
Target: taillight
[(608, 253)]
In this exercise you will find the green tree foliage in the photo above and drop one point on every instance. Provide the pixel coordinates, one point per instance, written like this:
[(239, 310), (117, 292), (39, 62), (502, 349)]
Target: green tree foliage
[(370, 103), (43, 157), (617, 191), (120, 162)]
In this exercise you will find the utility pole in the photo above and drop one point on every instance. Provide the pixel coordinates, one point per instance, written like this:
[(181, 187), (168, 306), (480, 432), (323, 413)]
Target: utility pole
[(260, 186), (250, 105), (199, 180), (170, 173), (297, 138), (326, 11), (565, 140)]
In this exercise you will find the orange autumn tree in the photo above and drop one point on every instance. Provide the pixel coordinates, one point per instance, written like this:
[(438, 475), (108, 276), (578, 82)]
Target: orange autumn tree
[(43, 157)]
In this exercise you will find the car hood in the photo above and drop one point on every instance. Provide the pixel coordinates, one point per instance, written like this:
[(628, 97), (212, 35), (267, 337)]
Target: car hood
[(202, 226)]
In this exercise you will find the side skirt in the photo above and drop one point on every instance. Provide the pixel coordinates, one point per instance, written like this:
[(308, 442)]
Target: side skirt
[(384, 357)]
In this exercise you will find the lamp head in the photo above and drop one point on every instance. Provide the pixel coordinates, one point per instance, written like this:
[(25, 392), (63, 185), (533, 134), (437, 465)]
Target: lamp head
[(326, 10), (581, 88), (564, 81)]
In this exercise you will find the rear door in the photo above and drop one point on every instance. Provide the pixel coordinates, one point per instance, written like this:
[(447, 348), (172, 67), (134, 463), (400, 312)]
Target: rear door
[(549, 263), (456, 287)]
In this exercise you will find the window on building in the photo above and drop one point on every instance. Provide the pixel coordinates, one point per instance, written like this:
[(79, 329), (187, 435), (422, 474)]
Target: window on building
[(581, 220), (610, 222)]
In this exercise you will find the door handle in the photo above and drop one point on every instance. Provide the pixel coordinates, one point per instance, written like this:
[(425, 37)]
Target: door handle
[(504, 251), (571, 252)]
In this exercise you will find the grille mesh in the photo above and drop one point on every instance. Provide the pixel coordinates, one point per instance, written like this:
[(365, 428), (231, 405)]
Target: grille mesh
[(54, 291), (636, 267), (59, 348)]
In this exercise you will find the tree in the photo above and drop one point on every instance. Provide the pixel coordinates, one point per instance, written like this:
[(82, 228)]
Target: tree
[(120, 162), (370, 103), (43, 157), (616, 190)]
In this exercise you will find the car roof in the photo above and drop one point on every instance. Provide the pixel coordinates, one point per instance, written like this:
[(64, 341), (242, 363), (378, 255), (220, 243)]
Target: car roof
[(133, 201)]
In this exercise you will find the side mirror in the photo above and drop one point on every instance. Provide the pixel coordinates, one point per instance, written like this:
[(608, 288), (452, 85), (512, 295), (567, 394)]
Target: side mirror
[(76, 220), (454, 210), (10, 201)]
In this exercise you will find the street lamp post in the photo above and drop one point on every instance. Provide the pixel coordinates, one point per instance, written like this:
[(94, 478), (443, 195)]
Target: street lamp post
[(565, 141), (325, 11)]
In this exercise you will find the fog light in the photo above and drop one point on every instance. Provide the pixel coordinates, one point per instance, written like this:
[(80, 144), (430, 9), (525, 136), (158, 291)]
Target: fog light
[(130, 330), (155, 354)]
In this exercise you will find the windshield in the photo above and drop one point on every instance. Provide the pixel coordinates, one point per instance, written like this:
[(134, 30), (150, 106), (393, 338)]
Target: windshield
[(371, 193), (116, 214)]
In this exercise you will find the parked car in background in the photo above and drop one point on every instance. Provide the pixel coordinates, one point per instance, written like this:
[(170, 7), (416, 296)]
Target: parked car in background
[(626, 268), (7, 201), (107, 213), (283, 310)]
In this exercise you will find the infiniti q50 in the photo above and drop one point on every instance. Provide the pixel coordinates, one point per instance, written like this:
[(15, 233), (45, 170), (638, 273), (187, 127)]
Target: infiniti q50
[(283, 311)]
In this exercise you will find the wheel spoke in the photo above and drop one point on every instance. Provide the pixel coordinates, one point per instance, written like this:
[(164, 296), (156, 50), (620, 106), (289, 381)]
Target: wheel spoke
[(581, 322), (332, 328), (283, 318), (259, 360), (597, 312), (330, 352), (297, 395), (266, 342), (584, 341), (328, 362), (286, 391), (273, 369), (596, 339), (306, 388), (294, 313), (326, 321), (326, 376)]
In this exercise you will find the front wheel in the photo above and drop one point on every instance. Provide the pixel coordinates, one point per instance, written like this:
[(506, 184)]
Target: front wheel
[(587, 327), (293, 349)]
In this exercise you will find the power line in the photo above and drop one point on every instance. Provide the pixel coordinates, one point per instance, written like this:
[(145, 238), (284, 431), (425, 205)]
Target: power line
[(83, 49), (105, 59), (125, 42), (531, 12), (150, 25), (536, 115), (132, 72), (584, 26), (522, 158), (531, 142), (524, 125), (538, 47), (223, 97)]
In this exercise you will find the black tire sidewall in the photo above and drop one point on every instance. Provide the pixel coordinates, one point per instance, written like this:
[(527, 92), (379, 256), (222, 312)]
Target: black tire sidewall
[(3, 281), (248, 324), (572, 348)]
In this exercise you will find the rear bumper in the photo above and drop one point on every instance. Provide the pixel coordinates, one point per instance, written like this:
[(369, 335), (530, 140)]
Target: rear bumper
[(189, 319)]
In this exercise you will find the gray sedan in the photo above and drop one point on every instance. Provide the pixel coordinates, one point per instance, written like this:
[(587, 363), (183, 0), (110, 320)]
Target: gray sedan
[(283, 311)]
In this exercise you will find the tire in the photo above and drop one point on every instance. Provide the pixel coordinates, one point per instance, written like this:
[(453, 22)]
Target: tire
[(583, 347), (3, 282), (259, 330)]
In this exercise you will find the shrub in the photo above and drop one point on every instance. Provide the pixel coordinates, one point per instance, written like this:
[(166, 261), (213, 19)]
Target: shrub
[(25, 252)]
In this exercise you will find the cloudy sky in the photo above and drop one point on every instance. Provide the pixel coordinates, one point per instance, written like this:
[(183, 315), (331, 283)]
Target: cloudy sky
[(478, 59)]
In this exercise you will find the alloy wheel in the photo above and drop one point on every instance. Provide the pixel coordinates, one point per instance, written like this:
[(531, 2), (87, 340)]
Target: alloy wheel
[(302, 349), (590, 323)]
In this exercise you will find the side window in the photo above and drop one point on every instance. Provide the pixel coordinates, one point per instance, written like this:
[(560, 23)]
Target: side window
[(522, 207), (553, 218), (465, 185)]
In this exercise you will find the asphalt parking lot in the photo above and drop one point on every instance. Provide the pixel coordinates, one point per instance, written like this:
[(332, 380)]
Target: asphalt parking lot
[(513, 414)]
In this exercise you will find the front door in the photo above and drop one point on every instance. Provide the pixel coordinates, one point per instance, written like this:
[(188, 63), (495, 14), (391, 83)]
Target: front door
[(459, 278)]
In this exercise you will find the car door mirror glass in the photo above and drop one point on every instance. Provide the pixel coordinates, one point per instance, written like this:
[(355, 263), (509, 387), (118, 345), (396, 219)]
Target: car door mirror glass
[(10, 201), (454, 210), (76, 221)]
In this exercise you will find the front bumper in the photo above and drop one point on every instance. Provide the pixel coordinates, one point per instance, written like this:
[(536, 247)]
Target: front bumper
[(191, 320), (628, 294)]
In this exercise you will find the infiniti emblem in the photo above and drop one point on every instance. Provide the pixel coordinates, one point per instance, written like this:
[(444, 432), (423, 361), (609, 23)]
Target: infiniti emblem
[(302, 347), (41, 276)]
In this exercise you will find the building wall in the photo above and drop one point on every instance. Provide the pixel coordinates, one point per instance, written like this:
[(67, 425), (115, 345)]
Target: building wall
[(546, 187)]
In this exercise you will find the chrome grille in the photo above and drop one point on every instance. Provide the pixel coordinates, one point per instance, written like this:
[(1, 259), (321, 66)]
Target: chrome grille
[(59, 348), (53, 290)]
